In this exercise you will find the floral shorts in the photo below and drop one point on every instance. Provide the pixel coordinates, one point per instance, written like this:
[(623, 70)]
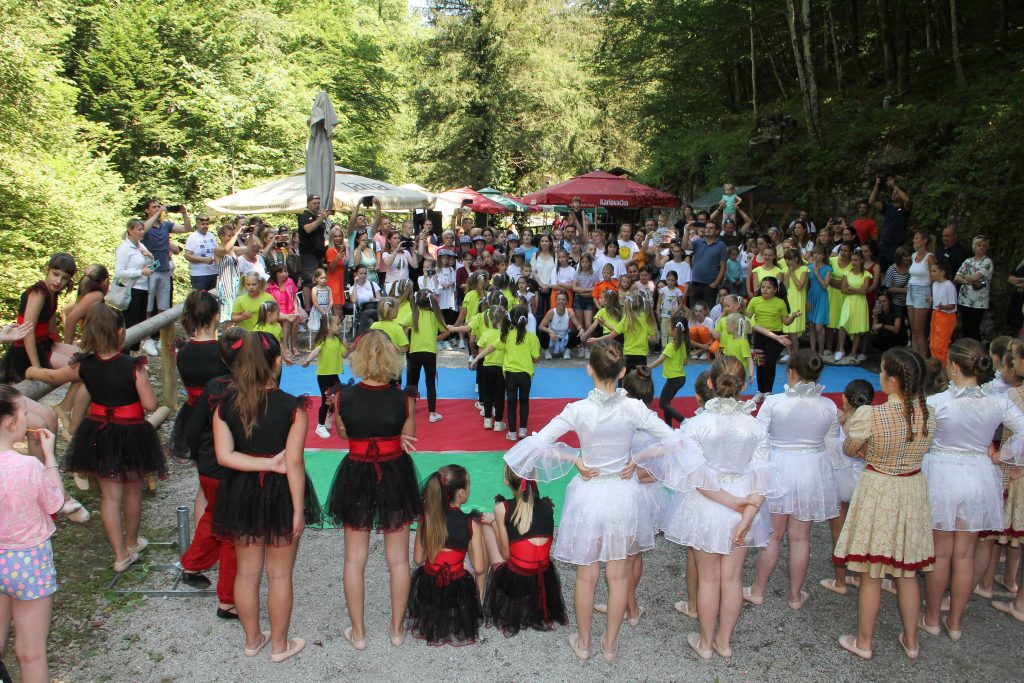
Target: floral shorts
[(28, 574)]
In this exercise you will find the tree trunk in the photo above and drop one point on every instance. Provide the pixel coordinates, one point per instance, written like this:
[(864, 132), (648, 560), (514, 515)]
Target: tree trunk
[(1004, 21), (854, 16), (901, 32), (888, 49), (753, 72), (961, 79), (801, 42), (835, 48), (775, 69)]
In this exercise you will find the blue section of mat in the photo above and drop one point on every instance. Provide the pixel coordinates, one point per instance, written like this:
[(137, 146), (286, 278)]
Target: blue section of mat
[(569, 382)]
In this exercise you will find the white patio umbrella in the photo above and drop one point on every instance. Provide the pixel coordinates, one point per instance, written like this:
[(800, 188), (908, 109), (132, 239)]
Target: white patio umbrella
[(288, 195)]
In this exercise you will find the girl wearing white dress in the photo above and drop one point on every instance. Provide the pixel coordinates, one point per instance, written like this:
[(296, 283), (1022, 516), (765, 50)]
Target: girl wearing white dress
[(803, 428), (605, 518), (720, 516), (965, 487)]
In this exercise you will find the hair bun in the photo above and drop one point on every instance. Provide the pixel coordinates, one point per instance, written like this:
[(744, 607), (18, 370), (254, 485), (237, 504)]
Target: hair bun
[(727, 385), (642, 371)]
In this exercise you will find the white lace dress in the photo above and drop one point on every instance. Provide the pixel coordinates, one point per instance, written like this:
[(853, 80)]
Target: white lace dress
[(965, 488), (736, 459), (605, 518), (803, 429)]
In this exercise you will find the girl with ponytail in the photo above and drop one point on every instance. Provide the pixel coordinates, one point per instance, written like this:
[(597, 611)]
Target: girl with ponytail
[(520, 349), (427, 329), (965, 488), (674, 370), (491, 376), (524, 590), (387, 312), (444, 599), (265, 499)]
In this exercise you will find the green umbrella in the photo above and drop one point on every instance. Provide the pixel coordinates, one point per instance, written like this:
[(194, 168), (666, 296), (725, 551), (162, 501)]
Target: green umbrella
[(504, 200)]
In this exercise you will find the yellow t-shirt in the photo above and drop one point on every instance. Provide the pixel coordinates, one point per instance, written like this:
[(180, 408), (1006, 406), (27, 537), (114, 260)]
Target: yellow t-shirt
[(330, 359), (404, 315), (250, 304), (492, 337), (608, 322), (425, 338), (273, 329), (761, 272), (519, 357), (768, 313), (471, 303), (394, 331), (634, 339), (675, 361)]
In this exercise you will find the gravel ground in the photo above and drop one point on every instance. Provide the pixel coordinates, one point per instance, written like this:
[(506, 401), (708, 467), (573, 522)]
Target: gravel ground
[(180, 639)]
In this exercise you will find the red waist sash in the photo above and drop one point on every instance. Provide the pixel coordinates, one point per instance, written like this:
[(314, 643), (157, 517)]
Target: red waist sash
[(375, 450), (448, 564), (121, 415), (526, 559), (193, 395)]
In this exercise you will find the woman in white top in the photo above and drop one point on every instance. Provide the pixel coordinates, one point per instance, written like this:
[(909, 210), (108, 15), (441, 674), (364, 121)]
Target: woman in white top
[(604, 519), (919, 291), (610, 255), (227, 268), (132, 269), (718, 511), (556, 335), (364, 294), (974, 279), (562, 277), (543, 263), (251, 260), (803, 427), (395, 260), (965, 487)]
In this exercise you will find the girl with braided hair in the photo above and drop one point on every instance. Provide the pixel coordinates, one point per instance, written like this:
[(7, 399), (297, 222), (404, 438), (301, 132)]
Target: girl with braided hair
[(965, 487), (888, 526)]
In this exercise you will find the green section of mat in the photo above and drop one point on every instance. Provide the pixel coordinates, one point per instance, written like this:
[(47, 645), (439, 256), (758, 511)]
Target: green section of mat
[(486, 475)]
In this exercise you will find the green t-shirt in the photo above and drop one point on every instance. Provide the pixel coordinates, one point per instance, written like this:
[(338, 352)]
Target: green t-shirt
[(393, 330), (634, 339), (471, 303), (768, 313), (675, 361), (425, 338), (404, 315), (250, 304), (491, 337), (477, 326), (761, 272), (273, 329), (330, 359), (608, 323), (519, 357), (510, 297)]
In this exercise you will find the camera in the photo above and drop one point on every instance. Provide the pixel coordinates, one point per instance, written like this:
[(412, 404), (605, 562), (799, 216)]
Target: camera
[(405, 243), (282, 240), (174, 208), (367, 201)]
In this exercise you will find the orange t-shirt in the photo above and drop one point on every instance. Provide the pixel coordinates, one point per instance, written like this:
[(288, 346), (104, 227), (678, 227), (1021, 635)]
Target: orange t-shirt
[(336, 280), (604, 285)]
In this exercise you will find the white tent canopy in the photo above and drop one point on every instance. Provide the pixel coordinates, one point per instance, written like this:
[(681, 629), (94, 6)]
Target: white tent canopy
[(288, 195)]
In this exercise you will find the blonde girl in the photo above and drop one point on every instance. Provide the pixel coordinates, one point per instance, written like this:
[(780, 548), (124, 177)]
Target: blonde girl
[(246, 308), (387, 311), (322, 300), (329, 350)]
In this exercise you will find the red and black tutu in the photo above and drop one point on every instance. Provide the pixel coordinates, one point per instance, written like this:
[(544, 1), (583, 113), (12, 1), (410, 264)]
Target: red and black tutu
[(524, 595), (256, 508), (375, 487), (116, 443), (444, 605)]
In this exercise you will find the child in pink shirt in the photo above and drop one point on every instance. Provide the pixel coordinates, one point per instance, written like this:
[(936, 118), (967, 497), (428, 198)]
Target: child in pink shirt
[(30, 492)]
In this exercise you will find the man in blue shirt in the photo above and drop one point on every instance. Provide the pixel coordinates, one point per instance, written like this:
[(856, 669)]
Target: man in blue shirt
[(896, 217), (158, 240), (707, 266)]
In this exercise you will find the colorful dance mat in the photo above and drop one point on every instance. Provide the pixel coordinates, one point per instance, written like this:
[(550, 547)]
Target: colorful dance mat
[(459, 437)]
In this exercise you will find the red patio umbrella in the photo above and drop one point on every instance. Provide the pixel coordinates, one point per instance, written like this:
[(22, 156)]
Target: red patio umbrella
[(479, 204), (602, 189)]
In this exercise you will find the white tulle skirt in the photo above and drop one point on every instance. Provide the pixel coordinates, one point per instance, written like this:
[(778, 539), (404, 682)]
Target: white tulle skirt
[(810, 491), (655, 499), (696, 521), (606, 518), (846, 477), (965, 491)]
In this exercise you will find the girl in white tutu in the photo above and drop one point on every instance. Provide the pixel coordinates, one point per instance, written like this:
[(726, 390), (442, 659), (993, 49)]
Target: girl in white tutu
[(720, 516), (803, 428), (965, 488), (846, 472), (605, 518), (1013, 510)]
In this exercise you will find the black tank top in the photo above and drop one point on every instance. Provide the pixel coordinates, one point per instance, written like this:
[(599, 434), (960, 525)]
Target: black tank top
[(271, 430), (370, 412), (199, 362), (110, 382), (459, 532), (543, 523)]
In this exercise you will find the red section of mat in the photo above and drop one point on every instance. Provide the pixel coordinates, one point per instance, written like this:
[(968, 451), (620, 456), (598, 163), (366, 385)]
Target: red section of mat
[(462, 429)]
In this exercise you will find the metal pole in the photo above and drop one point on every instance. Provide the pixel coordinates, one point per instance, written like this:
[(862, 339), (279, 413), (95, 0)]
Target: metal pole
[(184, 530)]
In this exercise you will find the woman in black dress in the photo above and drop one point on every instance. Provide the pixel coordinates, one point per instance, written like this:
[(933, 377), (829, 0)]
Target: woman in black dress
[(199, 361), (376, 484), (263, 502)]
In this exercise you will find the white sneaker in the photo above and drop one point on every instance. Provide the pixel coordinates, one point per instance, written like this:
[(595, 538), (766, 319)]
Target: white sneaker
[(547, 354), (149, 346), (462, 343), (500, 427), (511, 436), (582, 353), (587, 354), (567, 355), (448, 346), (434, 417), (488, 423), (522, 432), (704, 356), (322, 432), (837, 356)]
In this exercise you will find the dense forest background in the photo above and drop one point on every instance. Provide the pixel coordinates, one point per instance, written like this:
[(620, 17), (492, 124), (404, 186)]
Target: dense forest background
[(104, 101)]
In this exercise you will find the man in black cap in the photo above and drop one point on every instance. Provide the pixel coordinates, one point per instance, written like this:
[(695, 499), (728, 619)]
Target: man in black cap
[(312, 245)]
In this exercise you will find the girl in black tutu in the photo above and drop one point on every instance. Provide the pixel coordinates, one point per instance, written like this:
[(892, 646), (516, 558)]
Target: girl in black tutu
[(524, 591), (114, 443), (265, 499), (199, 361), (376, 484), (444, 600)]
